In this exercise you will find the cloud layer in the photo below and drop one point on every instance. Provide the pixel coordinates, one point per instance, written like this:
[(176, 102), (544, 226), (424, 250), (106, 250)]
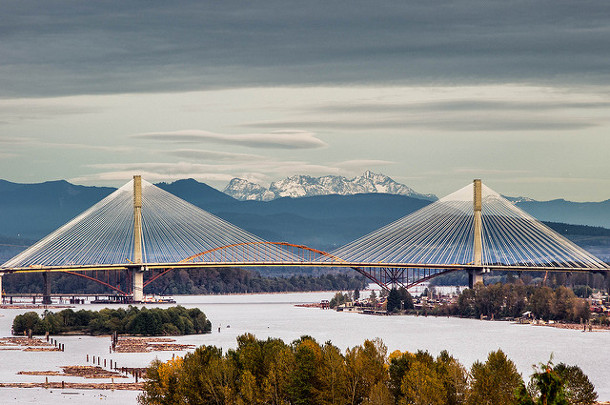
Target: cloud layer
[(62, 47), (282, 139)]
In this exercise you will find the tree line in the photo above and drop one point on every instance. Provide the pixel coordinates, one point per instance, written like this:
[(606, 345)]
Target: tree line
[(306, 372), (512, 300), (189, 281), (131, 320)]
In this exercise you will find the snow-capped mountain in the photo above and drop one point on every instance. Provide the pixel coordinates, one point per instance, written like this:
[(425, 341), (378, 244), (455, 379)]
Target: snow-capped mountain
[(244, 190), (520, 199), (306, 186)]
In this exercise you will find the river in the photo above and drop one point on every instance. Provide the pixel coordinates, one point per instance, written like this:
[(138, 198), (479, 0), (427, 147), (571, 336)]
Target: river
[(274, 315)]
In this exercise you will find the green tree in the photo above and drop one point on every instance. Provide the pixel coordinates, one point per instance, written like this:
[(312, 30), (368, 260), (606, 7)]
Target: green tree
[(23, 323), (541, 302), (207, 378), (546, 387), (338, 299), (495, 381), (466, 304), (305, 379), (563, 307), (578, 388), (393, 302), (400, 363), (454, 378)]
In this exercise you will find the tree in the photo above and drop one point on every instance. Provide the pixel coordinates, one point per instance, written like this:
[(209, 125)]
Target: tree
[(356, 294), (400, 363), (365, 367), (338, 299), (495, 381), (207, 378), (393, 302), (578, 388), (23, 323), (454, 378), (333, 389), (466, 304), (162, 386), (373, 298), (541, 302), (421, 385), (564, 303), (305, 379), (546, 387)]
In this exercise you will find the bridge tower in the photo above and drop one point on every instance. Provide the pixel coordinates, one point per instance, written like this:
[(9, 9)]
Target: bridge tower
[(476, 275), (138, 272)]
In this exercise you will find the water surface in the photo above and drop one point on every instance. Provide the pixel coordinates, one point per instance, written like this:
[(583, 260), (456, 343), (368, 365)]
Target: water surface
[(274, 315)]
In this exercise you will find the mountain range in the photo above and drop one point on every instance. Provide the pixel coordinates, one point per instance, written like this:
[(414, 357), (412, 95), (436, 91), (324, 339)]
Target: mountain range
[(30, 211), (298, 186)]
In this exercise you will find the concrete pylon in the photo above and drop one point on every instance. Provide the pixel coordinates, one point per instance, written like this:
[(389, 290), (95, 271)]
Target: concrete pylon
[(476, 275), (138, 273), (46, 293)]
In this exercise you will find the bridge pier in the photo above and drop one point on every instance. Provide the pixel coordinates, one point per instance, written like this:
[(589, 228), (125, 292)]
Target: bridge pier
[(46, 293), (475, 276), (138, 284)]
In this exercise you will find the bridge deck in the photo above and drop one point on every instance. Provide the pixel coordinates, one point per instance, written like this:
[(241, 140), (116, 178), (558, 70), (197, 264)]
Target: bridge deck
[(189, 265)]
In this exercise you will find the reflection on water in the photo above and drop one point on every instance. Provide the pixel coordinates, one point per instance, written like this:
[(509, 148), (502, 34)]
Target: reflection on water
[(274, 315)]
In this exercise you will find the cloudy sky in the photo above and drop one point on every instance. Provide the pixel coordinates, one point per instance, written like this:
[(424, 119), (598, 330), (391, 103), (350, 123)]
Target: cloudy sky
[(432, 93)]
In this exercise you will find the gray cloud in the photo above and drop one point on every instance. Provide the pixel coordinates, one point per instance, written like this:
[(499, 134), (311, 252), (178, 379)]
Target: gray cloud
[(473, 123), (461, 105), (283, 139), (26, 109), (62, 47), (358, 164), (11, 140), (82, 146), (210, 155)]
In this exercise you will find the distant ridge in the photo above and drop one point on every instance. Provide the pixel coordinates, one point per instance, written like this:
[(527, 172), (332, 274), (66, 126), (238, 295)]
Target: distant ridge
[(307, 186)]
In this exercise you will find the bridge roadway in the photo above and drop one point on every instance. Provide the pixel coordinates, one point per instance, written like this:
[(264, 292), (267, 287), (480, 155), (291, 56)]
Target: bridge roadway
[(190, 265)]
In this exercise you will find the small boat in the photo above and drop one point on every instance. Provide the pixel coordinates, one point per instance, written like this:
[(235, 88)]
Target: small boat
[(158, 300)]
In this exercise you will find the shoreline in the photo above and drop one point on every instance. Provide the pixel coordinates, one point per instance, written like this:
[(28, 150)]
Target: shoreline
[(555, 324), (77, 386)]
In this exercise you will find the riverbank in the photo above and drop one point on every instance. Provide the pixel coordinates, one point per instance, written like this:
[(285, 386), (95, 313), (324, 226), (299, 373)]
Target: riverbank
[(76, 386), (415, 313)]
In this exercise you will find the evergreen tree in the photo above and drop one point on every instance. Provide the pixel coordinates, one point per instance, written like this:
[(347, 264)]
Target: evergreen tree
[(393, 302)]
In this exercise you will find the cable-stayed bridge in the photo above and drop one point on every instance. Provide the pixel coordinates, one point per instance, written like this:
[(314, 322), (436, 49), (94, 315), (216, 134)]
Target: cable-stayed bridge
[(148, 231)]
